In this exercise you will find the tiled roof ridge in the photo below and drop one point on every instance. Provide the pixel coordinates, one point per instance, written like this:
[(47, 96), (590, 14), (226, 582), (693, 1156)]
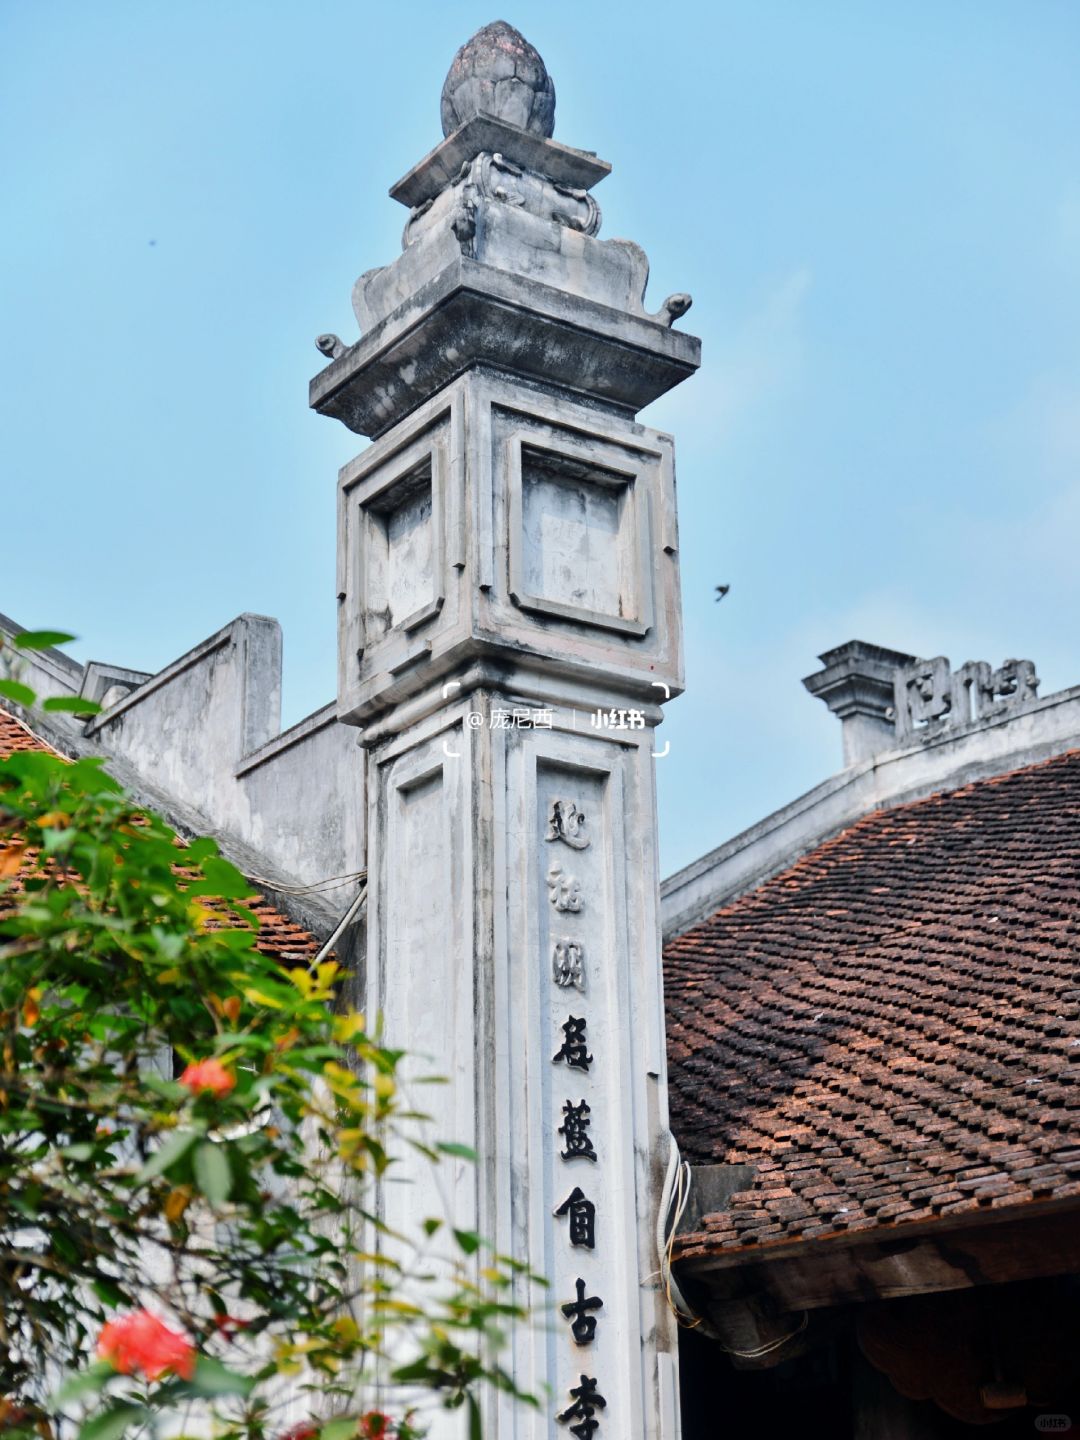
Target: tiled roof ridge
[(765, 892)]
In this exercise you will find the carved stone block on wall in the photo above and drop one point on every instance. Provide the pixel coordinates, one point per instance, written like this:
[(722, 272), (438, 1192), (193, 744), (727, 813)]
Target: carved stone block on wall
[(931, 697)]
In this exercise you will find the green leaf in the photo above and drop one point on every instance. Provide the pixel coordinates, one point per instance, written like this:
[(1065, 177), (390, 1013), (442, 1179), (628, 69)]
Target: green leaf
[(338, 1429), (21, 694), (108, 1293), (449, 1147), (168, 1089), (212, 1378), (229, 883), (110, 1424), (174, 1149), (41, 639), (75, 703), (420, 1371), (82, 1151), (476, 1429), (90, 1382), (468, 1240), (212, 1173)]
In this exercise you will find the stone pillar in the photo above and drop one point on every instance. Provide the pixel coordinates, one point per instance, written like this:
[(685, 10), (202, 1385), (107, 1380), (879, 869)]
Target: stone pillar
[(857, 685), (509, 629)]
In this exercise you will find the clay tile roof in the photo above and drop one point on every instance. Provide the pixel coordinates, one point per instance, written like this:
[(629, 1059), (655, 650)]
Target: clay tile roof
[(889, 1031), (14, 735), (278, 935)]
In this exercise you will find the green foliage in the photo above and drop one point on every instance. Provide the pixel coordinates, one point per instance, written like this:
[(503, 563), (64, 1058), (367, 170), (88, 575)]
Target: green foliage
[(239, 1210)]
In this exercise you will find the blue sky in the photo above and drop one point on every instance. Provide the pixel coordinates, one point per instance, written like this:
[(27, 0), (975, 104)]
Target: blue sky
[(875, 206)]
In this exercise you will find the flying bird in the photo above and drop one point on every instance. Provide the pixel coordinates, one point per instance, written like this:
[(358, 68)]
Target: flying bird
[(721, 591)]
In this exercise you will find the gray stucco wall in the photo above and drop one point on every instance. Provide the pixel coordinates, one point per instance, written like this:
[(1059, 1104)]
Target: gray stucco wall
[(201, 740)]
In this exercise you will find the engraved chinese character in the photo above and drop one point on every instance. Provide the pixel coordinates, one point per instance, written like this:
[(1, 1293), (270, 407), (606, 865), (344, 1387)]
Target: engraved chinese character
[(582, 1213), (923, 697), (587, 1400), (564, 891), (568, 964), (574, 1050), (582, 1324), (575, 1132), (565, 823)]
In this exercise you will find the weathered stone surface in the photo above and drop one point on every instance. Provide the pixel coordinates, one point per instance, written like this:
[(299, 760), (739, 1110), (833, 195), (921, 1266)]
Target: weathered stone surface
[(471, 314), (499, 73), (502, 265), (857, 685), (505, 522), (929, 696), (209, 726), (560, 163), (507, 583)]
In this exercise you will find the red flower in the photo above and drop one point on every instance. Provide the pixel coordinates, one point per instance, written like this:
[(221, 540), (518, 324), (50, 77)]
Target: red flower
[(227, 1324), (305, 1430), (141, 1343), (208, 1075)]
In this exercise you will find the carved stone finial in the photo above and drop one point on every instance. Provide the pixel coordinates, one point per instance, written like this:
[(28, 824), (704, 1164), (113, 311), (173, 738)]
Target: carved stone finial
[(499, 73)]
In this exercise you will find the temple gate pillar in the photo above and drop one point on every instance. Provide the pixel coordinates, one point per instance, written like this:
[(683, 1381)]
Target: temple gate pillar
[(509, 630)]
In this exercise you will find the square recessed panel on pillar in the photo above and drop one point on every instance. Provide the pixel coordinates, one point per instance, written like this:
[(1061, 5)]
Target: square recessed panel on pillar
[(577, 533), (393, 569)]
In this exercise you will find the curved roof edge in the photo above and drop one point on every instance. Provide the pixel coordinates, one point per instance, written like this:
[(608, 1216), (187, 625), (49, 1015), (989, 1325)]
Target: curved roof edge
[(1037, 730)]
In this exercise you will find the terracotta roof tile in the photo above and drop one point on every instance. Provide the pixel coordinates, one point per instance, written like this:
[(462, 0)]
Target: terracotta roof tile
[(891, 1028)]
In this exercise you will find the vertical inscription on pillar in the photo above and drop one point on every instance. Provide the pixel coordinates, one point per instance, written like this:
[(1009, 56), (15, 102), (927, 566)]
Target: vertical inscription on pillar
[(576, 933)]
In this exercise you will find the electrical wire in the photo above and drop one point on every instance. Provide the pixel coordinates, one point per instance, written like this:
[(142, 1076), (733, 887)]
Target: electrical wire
[(673, 1202), (332, 882), (674, 1199)]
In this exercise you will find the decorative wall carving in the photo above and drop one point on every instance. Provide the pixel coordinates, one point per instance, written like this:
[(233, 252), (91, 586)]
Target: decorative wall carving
[(930, 697), (492, 177)]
